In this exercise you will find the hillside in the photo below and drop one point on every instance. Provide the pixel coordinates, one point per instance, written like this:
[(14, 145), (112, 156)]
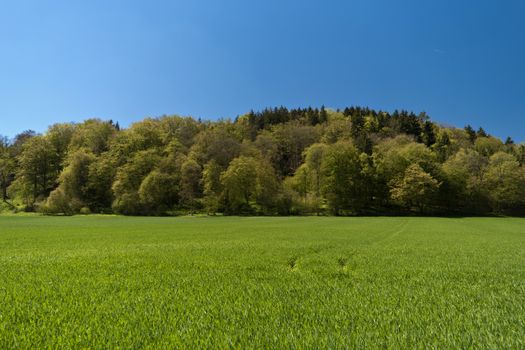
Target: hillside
[(273, 162)]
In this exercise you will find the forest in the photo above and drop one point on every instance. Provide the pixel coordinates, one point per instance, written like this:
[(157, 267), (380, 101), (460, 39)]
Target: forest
[(278, 161)]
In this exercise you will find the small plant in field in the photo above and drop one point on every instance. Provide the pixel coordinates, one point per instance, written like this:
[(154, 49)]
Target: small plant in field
[(343, 263), (293, 262)]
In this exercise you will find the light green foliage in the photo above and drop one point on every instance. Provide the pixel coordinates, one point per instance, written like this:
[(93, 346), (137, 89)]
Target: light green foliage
[(301, 182), (94, 135), (343, 184), (444, 146), (190, 185), (212, 187), (317, 282), (159, 192), (504, 181), (250, 185), (393, 156), (415, 188), (338, 128), (239, 182), (466, 169), (520, 153), (215, 144), (128, 179), (101, 175), (60, 136), (75, 176), (7, 167), (487, 146), (314, 160), (36, 173), (73, 192), (463, 174), (59, 202), (267, 187), (267, 145), (182, 129)]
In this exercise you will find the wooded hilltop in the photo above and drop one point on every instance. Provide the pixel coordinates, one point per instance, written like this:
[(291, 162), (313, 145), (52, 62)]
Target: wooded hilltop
[(280, 161)]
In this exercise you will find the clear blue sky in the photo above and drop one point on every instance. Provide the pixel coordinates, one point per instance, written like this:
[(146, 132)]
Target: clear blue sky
[(460, 61)]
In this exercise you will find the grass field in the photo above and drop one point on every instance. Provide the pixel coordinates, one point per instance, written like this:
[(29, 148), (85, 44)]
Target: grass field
[(108, 282)]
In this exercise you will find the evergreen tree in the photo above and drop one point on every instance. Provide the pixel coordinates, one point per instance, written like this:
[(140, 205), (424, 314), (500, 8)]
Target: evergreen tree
[(471, 133)]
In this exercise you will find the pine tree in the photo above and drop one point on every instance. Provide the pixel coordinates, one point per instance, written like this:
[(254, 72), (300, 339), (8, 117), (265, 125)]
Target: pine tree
[(471, 133)]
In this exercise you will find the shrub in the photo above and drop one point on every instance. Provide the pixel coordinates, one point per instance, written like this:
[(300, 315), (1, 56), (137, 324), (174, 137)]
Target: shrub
[(85, 211)]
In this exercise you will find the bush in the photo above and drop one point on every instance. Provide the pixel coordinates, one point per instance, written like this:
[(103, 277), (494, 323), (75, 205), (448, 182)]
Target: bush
[(57, 203), (85, 211)]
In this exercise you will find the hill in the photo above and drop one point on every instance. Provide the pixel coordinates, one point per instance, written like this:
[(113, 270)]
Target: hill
[(273, 162)]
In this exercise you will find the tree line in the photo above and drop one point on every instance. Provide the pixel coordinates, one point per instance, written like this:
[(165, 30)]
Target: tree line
[(308, 161)]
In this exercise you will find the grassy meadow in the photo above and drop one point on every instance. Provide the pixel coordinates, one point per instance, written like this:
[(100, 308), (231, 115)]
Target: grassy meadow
[(304, 282)]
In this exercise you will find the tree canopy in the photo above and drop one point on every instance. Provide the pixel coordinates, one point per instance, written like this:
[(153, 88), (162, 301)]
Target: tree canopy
[(277, 161)]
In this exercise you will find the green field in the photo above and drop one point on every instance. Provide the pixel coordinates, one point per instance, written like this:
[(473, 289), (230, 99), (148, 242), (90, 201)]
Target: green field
[(108, 282)]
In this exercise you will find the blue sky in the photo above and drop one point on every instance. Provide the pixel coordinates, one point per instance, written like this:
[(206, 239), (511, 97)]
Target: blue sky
[(460, 61)]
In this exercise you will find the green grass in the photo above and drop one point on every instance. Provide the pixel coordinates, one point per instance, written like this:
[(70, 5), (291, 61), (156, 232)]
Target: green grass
[(108, 282)]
